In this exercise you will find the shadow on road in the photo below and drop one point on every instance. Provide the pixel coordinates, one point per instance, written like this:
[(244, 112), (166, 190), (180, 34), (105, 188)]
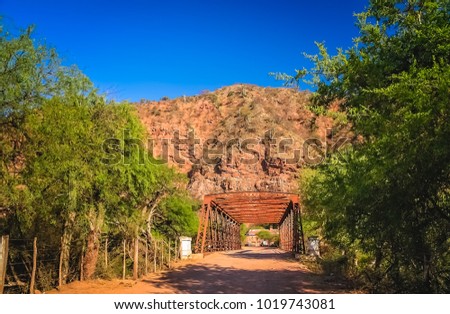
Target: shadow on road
[(219, 279), (263, 253)]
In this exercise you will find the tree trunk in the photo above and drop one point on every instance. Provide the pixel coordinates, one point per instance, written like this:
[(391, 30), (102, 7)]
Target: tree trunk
[(91, 255), (136, 259), (95, 216), (66, 238), (65, 247), (149, 212), (378, 258)]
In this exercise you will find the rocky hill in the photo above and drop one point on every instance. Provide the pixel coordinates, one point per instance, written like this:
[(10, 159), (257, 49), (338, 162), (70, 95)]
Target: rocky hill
[(239, 137)]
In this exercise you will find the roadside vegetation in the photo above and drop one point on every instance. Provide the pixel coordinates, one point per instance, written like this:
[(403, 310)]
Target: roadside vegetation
[(382, 206), (74, 165)]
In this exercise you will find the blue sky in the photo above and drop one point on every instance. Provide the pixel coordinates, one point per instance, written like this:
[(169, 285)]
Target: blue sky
[(148, 49)]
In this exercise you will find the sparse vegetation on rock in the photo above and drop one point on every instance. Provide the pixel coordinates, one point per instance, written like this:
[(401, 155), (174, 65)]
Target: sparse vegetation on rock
[(232, 123)]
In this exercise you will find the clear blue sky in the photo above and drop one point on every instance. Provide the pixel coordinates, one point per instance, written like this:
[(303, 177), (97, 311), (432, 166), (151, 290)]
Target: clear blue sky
[(136, 49)]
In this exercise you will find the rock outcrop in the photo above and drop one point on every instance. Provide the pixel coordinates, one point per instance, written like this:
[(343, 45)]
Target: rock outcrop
[(239, 138)]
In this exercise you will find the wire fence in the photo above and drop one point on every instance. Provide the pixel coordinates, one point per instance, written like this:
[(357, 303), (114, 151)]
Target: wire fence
[(30, 265)]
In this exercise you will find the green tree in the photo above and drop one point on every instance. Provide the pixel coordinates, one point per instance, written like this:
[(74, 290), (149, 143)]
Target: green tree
[(388, 205), (264, 235), (177, 215), (27, 74), (243, 229), (75, 165)]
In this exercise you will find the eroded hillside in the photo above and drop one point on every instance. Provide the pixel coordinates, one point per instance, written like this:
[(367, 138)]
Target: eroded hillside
[(240, 137)]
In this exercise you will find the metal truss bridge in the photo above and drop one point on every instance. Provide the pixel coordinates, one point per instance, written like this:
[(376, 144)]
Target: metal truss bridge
[(222, 214)]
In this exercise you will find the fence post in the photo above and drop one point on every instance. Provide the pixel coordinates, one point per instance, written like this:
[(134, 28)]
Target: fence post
[(106, 253), (136, 259), (146, 257), (33, 272), (82, 264), (124, 260), (154, 256), (176, 250), (162, 255), (4, 244), (170, 246), (60, 265)]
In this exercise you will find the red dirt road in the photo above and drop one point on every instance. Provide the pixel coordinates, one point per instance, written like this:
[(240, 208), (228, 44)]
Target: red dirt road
[(250, 270)]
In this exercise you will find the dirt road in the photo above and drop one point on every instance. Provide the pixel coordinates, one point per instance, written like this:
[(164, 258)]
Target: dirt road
[(251, 270)]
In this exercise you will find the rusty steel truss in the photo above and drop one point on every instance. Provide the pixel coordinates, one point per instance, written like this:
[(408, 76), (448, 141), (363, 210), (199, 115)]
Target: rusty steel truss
[(221, 216)]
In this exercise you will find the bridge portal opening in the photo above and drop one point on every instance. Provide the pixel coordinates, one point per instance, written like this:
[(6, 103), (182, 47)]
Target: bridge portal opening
[(222, 215)]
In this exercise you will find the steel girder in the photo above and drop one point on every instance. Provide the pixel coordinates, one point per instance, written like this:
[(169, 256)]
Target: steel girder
[(222, 214), (217, 231), (291, 230)]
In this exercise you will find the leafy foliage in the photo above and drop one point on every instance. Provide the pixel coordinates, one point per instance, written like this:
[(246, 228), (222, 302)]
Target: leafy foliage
[(388, 206), (75, 164), (267, 235)]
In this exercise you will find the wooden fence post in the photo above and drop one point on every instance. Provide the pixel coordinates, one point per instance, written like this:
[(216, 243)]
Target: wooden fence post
[(106, 253), (136, 259), (162, 255), (82, 264), (124, 260), (146, 257), (60, 265), (33, 272), (176, 249), (4, 245), (170, 244), (154, 256)]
